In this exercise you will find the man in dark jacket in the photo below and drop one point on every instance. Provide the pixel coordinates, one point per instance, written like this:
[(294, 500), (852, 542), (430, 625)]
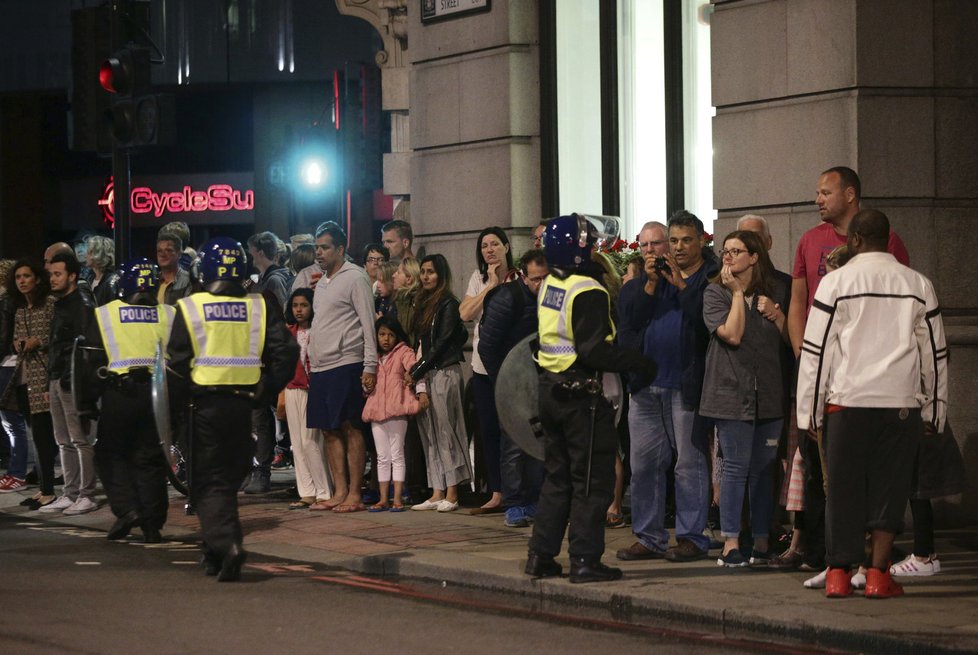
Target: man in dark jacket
[(73, 312), (509, 316), (661, 314)]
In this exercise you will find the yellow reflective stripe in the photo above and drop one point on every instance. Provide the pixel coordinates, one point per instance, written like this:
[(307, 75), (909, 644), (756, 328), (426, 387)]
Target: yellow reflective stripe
[(108, 332), (257, 319), (195, 324)]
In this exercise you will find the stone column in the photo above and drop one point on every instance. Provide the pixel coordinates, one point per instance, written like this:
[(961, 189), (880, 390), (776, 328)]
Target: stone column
[(888, 87)]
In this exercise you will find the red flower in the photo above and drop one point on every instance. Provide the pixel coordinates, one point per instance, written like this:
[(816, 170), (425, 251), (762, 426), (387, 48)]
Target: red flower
[(633, 245)]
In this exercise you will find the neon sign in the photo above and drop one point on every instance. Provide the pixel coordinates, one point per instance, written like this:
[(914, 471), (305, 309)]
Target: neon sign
[(107, 202), (217, 197)]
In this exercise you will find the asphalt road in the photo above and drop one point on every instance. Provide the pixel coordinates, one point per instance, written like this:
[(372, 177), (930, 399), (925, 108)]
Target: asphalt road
[(69, 591)]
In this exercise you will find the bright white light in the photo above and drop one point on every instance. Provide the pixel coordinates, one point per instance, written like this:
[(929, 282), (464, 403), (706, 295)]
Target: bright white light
[(313, 172)]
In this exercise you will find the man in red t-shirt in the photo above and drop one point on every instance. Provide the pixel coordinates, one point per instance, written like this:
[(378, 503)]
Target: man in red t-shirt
[(837, 197)]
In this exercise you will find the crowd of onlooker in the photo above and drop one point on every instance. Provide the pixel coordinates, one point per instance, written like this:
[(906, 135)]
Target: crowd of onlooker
[(709, 443)]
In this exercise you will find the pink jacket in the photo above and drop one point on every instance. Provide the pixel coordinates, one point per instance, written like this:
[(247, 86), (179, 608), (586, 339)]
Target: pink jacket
[(390, 398)]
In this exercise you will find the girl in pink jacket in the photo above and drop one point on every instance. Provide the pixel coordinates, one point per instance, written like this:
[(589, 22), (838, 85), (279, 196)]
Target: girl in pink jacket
[(388, 407)]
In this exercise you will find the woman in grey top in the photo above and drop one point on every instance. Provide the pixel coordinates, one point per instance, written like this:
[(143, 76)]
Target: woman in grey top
[(743, 388)]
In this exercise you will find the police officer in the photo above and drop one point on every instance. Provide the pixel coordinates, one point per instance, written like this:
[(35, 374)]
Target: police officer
[(128, 456), (229, 353), (575, 344)]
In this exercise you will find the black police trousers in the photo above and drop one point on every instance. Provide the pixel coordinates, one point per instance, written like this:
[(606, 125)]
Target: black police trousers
[(221, 450), (566, 424), (128, 454)]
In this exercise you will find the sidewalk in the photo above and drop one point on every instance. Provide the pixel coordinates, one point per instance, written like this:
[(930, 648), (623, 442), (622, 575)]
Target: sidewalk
[(938, 614)]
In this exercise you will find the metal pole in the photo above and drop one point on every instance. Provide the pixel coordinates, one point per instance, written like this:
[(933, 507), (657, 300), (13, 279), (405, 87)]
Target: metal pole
[(121, 184)]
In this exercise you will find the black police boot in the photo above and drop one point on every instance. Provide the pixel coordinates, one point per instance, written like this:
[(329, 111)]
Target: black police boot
[(542, 566), (211, 561), (261, 482), (151, 534), (122, 526), (231, 564), (592, 570)]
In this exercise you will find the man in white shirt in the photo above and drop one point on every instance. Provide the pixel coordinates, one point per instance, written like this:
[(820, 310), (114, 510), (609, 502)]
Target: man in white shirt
[(873, 375)]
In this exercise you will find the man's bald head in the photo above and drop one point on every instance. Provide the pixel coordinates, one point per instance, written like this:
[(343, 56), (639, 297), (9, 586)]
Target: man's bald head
[(56, 249), (869, 231)]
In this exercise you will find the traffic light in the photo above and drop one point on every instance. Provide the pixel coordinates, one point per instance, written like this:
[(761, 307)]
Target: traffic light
[(136, 117)]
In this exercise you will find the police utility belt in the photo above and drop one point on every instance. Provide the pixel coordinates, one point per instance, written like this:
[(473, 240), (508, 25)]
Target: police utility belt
[(575, 384), (128, 380)]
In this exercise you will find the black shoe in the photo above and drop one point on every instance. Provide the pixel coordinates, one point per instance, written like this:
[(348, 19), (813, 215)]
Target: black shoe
[(120, 529), (261, 482), (211, 562), (231, 564), (583, 570), (542, 566), (151, 534)]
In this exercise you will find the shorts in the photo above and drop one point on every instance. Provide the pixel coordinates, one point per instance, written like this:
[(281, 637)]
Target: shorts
[(335, 396)]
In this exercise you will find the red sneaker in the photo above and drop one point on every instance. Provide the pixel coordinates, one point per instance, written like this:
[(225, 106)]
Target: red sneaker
[(879, 584), (837, 583), (9, 483)]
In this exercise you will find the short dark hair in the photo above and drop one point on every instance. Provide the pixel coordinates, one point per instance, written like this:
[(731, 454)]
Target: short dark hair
[(173, 238), (849, 179), (265, 243), (394, 326), (376, 247), (334, 231), (532, 256), (303, 255), (683, 218), (70, 262), (873, 227), (403, 228)]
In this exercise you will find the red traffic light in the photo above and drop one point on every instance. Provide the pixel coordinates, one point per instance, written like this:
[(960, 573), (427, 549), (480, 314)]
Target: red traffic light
[(115, 73)]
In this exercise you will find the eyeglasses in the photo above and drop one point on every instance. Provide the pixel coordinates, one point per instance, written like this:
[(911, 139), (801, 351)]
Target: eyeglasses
[(733, 252), (375, 260)]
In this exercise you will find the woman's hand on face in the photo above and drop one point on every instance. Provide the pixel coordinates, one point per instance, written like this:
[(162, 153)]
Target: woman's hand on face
[(768, 308), (493, 273), (729, 280)]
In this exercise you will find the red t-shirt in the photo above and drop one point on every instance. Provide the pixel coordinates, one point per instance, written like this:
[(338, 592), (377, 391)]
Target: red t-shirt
[(815, 247)]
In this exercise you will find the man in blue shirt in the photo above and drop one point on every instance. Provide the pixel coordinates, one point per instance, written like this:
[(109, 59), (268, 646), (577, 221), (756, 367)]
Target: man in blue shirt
[(661, 313)]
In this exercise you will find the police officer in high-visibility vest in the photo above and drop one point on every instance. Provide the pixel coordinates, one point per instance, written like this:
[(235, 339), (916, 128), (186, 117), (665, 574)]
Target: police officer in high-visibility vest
[(576, 335), (128, 456), (228, 353)]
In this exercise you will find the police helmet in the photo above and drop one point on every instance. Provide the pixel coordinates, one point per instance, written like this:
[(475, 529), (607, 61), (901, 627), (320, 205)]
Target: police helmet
[(568, 240), (222, 258), (137, 276)]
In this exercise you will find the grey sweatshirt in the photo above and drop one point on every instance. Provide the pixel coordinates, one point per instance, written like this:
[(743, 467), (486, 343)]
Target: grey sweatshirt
[(342, 329)]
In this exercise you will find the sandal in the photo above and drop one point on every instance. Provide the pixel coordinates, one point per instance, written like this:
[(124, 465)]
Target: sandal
[(379, 507), (397, 507), (302, 503)]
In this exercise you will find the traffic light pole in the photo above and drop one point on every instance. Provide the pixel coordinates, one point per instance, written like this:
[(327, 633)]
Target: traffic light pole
[(121, 189)]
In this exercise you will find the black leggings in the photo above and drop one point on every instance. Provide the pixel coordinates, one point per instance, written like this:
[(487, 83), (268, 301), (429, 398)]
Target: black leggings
[(923, 527), (42, 431)]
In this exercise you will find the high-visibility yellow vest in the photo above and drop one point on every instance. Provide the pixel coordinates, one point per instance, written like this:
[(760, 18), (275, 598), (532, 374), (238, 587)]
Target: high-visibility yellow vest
[(228, 336), (130, 333), (556, 331)]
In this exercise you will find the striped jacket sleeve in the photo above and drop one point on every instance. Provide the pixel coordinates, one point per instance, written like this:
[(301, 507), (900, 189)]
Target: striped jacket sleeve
[(932, 346), (819, 349)]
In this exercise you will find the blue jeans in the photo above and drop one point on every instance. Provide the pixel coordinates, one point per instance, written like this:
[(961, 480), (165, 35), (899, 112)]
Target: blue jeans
[(660, 428), (749, 450), (15, 427)]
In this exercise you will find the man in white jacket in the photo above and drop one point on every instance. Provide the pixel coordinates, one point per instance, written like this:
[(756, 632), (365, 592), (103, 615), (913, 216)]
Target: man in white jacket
[(873, 375)]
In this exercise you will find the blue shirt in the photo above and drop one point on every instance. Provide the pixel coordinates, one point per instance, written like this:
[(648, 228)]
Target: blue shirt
[(663, 336)]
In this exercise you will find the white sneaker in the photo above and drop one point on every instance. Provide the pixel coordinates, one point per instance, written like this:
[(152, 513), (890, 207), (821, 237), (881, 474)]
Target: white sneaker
[(817, 581), (915, 566), (81, 506), (858, 579), (426, 505), (447, 506), (59, 505)]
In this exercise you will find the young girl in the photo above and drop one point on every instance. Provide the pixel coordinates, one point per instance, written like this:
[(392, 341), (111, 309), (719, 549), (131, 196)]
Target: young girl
[(311, 476), (388, 407), (384, 300)]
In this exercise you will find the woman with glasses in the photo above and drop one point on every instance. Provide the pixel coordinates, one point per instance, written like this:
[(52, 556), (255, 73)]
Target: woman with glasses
[(742, 387)]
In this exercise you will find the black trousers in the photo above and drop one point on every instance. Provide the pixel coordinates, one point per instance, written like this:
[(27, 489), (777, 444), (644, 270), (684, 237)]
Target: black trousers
[(813, 523), (221, 452), (128, 455), (871, 461), (263, 425), (566, 425)]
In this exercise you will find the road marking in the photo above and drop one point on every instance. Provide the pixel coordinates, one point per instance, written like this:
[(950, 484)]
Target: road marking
[(178, 561), (88, 563)]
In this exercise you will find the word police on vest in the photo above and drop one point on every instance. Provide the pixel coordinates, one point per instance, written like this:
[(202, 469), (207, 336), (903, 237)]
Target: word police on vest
[(226, 311), (138, 315), (553, 298)]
